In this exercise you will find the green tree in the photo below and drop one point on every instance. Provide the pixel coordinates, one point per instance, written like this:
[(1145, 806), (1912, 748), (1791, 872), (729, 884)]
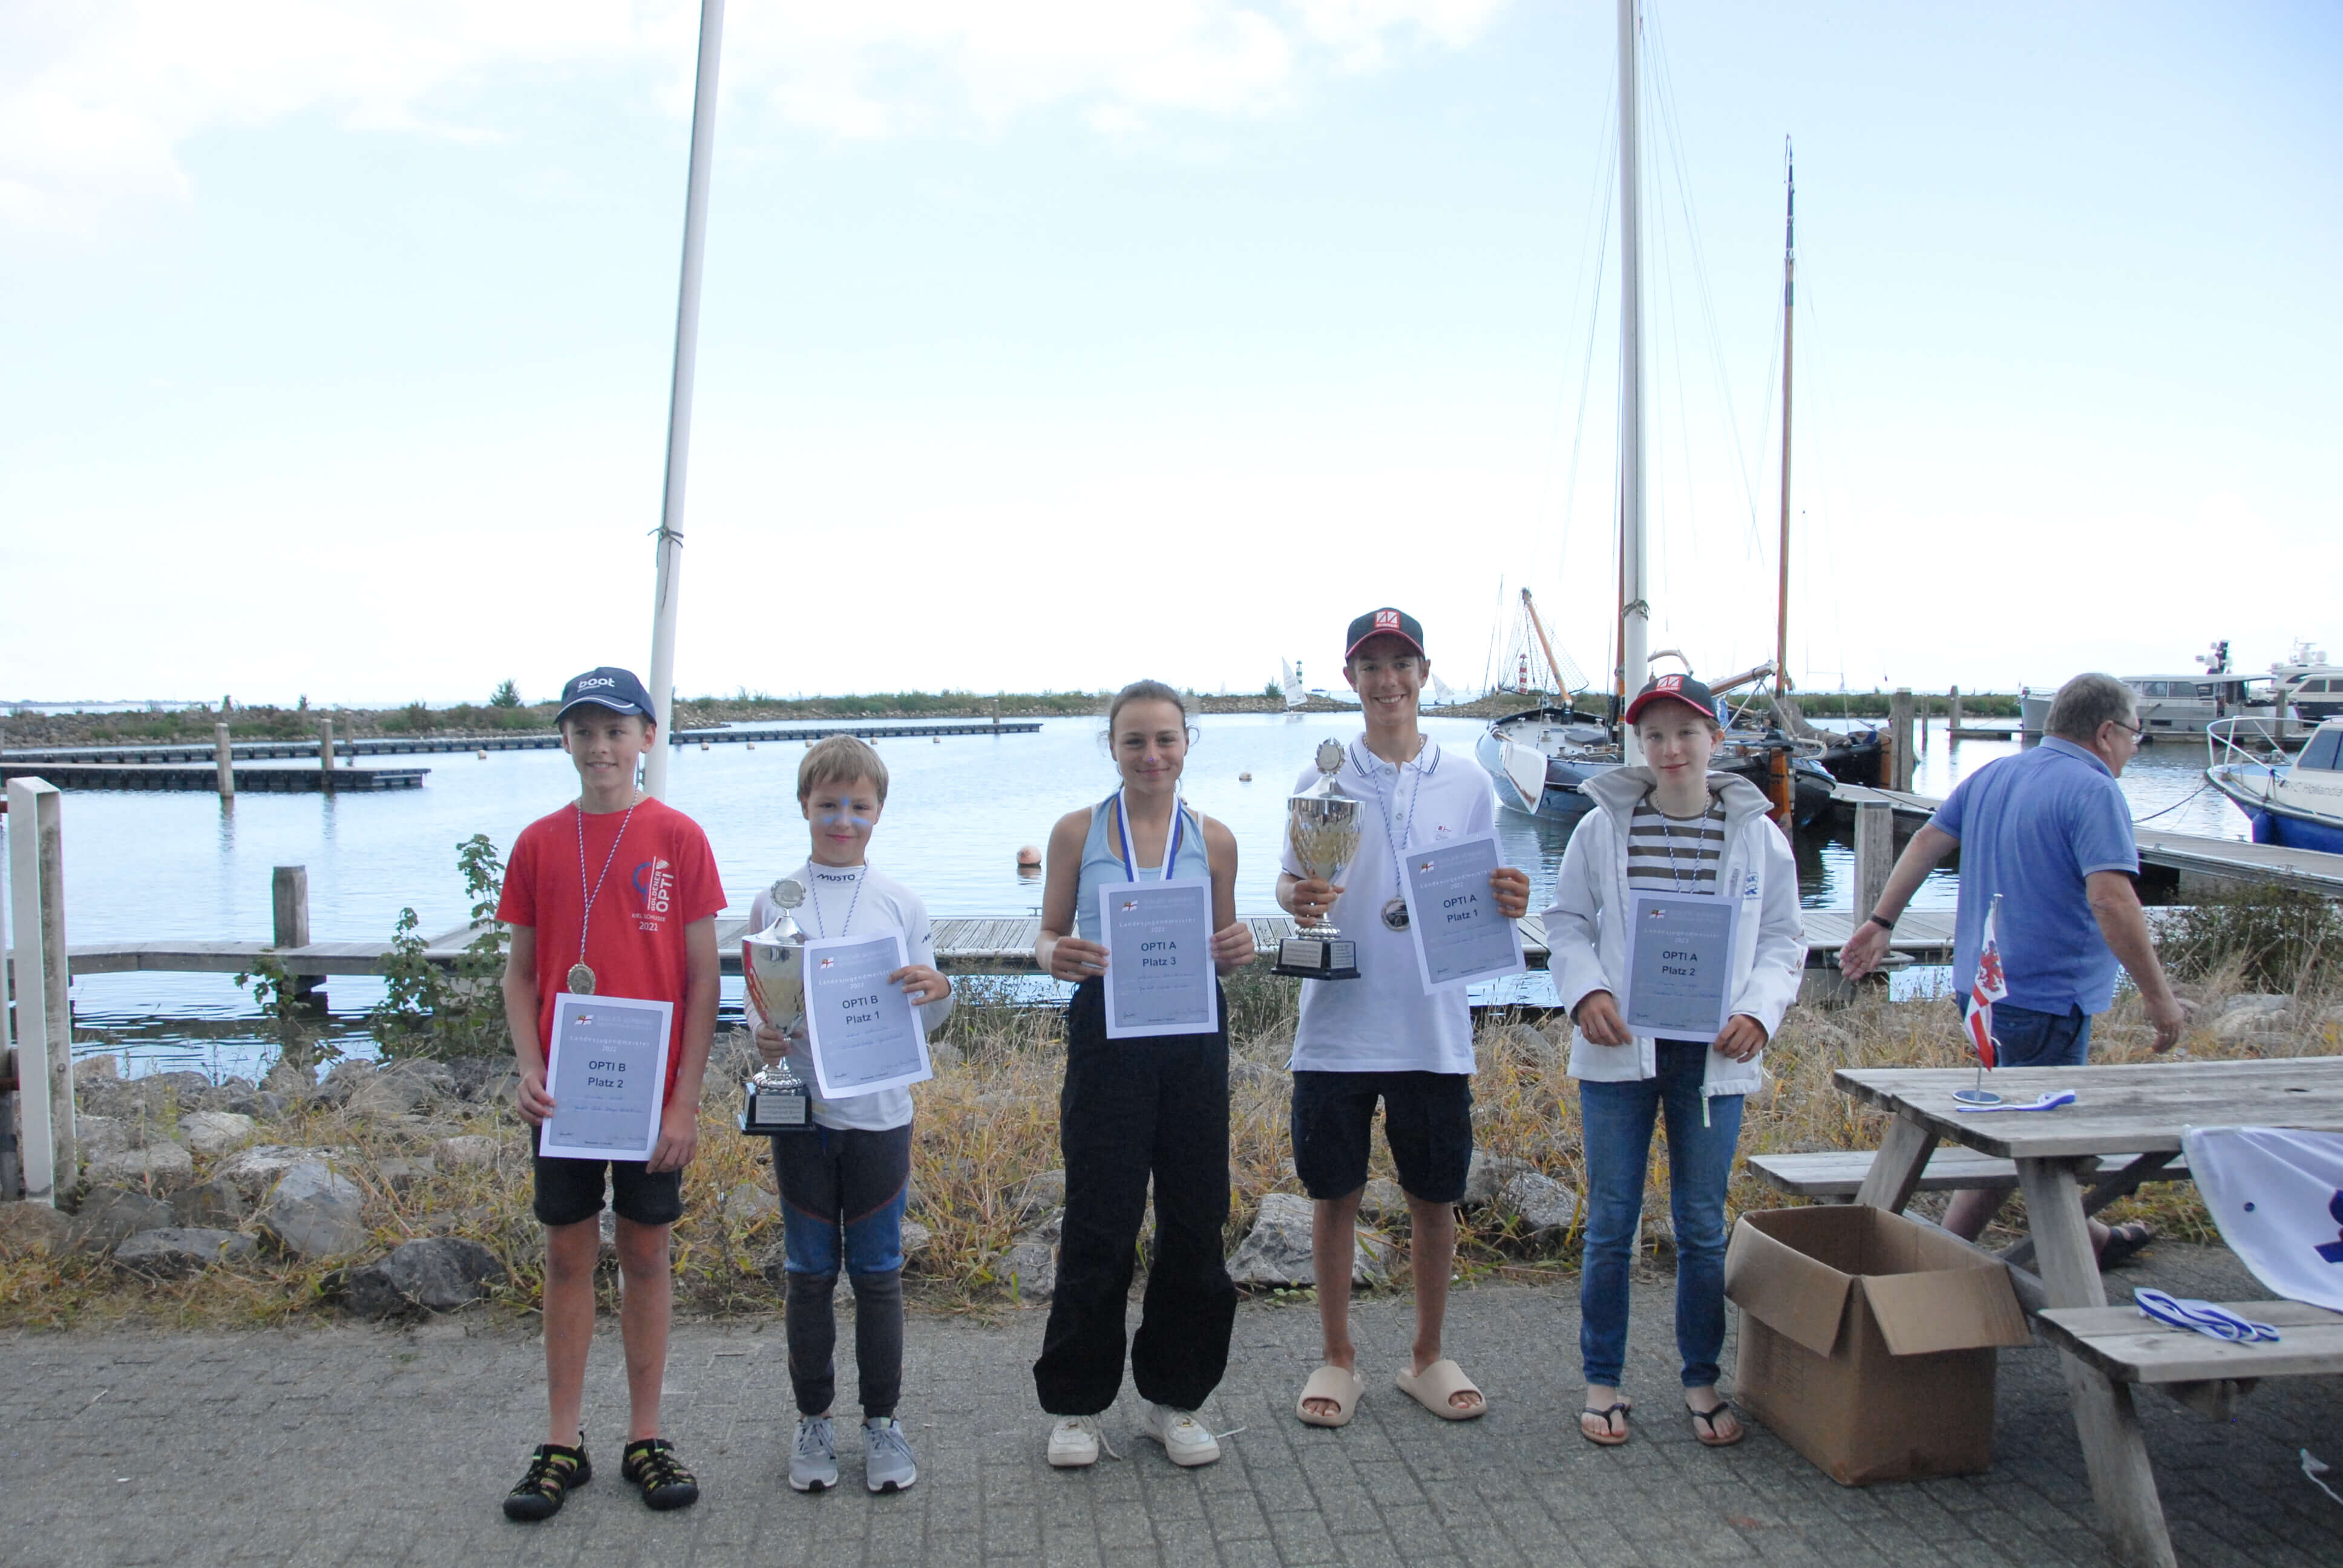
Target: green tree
[(507, 696)]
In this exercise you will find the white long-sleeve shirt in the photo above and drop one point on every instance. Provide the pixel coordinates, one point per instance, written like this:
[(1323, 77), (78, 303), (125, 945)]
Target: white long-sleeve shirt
[(856, 901)]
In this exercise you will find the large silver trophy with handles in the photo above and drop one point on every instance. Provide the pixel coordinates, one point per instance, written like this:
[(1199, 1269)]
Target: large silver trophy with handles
[(773, 962), (1322, 824)]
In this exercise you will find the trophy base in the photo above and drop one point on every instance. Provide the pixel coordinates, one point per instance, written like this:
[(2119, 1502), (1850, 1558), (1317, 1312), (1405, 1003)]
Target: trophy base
[(1317, 958), (762, 1115)]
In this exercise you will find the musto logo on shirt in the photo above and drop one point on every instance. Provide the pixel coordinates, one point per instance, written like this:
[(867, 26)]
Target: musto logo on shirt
[(655, 886)]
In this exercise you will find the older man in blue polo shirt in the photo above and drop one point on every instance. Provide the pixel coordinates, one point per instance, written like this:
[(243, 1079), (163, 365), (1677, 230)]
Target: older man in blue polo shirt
[(2049, 830)]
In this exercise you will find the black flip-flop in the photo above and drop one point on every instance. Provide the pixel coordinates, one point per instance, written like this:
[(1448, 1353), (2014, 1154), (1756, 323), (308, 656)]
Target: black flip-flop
[(1705, 1424), (2124, 1241), (1609, 1439)]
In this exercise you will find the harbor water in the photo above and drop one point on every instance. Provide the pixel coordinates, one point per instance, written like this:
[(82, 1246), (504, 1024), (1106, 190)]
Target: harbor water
[(143, 865)]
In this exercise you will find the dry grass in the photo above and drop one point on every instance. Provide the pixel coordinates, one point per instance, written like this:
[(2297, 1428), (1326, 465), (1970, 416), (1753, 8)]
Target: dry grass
[(988, 1121)]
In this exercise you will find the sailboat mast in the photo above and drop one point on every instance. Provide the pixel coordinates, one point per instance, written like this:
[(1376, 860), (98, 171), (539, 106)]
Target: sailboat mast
[(1553, 667), (1789, 306), (1635, 609)]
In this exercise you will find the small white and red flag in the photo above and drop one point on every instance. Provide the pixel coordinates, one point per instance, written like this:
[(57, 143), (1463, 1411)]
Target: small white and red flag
[(1989, 987)]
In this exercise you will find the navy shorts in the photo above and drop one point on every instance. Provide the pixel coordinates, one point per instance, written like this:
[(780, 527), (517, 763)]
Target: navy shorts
[(1427, 1121), (2022, 1037), (568, 1190)]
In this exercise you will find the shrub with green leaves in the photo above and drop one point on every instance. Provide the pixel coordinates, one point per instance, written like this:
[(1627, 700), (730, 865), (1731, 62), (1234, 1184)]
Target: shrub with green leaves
[(2264, 939)]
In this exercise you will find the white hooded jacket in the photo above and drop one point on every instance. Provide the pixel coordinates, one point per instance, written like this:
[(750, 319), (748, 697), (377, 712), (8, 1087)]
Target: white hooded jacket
[(1589, 946)]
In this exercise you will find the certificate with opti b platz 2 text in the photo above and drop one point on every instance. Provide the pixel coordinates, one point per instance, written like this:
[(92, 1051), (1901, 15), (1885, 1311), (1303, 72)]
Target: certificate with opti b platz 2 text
[(1459, 936), (1159, 957), (861, 1028), (1679, 964), (606, 1070)]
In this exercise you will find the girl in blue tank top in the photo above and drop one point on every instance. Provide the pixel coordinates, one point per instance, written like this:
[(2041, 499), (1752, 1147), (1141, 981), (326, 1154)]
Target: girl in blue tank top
[(1133, 1110)]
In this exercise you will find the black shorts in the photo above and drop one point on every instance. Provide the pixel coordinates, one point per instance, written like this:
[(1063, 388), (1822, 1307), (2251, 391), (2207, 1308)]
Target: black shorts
[(1427, 1121), (568, 1190)]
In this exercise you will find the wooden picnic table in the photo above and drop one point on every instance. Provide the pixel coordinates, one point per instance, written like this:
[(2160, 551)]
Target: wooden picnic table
[(2138, 1109)]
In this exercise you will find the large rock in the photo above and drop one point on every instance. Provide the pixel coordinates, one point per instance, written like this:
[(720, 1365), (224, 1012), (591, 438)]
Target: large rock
[(1037, 1195), (187, 1090), (172, 1252), (401, 1089), (1028, 1270), (255, 1169), (214, 1132), (99, 1136), (342, 1081), (1544, 1205), (1384, 1202), (484, 1077), (33, 1227), (2241, 1016), (750, 1202), (1277, 1251), (97, 1066), (401, 1173), (161, 1167), (314, 1211), (291, 1084), (438, 1274), (1486, 1175), (216, 1204), (473, 1149), (109, 1216)]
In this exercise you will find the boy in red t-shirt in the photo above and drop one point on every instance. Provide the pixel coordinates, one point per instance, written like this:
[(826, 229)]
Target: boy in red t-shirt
[(648, 931)]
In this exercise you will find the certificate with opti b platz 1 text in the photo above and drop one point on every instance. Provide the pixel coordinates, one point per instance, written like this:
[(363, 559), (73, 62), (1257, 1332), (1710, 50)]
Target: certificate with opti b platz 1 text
[(1459, 936), (861, 1028), (1679, 964), (606, 1071), (1159, 957)]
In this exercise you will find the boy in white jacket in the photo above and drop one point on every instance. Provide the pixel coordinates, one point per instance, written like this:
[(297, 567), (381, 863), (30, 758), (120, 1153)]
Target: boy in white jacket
[(1668, 827)]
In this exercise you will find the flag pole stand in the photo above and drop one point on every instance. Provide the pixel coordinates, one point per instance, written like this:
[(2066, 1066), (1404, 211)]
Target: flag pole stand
[(1979, 1094)]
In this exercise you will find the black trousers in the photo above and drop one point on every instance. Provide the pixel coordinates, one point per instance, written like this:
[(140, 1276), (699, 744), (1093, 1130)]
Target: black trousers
[(1131, 1109)]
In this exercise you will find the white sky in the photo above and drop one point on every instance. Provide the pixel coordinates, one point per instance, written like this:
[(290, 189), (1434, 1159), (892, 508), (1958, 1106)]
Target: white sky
[(1052, 343)]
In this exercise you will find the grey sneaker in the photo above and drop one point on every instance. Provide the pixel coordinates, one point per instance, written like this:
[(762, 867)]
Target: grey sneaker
[(814, 1466), (887, 1463)]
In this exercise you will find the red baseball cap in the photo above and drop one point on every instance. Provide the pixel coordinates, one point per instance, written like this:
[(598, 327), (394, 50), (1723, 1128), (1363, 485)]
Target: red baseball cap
[(1681, 688), (1383, 622)]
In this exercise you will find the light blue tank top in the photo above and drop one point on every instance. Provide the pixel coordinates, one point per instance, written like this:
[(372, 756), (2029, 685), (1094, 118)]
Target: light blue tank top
[(1102, 867)]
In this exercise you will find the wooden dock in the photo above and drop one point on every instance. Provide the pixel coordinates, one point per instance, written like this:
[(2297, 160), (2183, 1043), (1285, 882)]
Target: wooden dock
[(135, 776), (297, 749), (1001, 946), (2188, 859)]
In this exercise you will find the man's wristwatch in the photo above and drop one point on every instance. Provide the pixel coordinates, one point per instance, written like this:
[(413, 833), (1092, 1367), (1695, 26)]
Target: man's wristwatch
[(1883, 924)]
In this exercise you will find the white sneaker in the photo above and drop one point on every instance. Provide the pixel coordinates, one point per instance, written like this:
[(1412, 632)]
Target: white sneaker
[(1074, 1442), (1186, 1441)]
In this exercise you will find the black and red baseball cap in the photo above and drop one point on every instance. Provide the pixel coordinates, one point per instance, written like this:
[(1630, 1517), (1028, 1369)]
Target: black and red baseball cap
[(1383, 622), (1681, 688)]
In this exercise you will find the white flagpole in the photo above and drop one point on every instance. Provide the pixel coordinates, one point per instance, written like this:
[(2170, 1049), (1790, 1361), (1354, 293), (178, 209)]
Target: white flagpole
[(1634, 603), (678, 415)]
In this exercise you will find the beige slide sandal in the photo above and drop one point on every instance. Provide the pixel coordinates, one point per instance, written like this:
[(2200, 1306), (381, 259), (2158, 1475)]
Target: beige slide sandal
[(1436, 1384), (1338, 1386)]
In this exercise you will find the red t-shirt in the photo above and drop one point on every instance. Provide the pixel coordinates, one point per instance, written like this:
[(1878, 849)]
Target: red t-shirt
[(661, 878)]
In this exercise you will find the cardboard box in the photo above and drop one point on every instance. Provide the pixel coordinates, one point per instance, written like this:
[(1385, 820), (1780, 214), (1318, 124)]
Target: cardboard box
[(1867, 1341)]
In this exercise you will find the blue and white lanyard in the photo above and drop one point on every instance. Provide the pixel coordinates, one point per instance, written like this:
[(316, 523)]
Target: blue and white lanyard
[(2207, 1318), (813, 897), (1172, 838)]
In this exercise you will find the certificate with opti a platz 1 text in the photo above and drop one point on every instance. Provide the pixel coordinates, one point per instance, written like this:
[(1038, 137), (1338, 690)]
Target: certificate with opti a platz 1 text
[(1160, 978), (606, 1071), (1679, 964), (861, 1028), (1459, 936)]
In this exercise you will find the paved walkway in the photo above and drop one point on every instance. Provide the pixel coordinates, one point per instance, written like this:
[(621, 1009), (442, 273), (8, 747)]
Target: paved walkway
[(353, 1445)]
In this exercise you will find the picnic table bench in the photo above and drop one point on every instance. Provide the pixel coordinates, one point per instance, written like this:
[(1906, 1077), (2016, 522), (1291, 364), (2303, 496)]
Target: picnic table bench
[(2133, 1113)]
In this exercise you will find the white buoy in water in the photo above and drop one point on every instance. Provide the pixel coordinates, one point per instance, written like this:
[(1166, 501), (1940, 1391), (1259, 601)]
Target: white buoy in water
[(752, 745), (703, 746), (484, 755), (938, 740), (1245, 777)]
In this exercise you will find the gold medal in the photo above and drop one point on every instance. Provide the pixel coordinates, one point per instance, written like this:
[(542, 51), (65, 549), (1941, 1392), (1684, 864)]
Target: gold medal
[(581, 979)]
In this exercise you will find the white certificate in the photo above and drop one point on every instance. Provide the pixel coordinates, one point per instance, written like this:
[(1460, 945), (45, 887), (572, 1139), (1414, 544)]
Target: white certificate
[(606, 1069), (1459, 935), (1679, 964), (1159, 967), (863, 1031)]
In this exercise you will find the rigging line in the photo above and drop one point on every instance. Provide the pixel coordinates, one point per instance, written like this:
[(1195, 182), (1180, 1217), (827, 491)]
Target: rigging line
[(1663, 86), (2152, 816), (1592, 247), (1586, 366)]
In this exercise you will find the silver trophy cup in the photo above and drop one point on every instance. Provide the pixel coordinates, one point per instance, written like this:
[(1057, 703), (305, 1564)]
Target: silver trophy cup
[(1322, 824), (772, 961)]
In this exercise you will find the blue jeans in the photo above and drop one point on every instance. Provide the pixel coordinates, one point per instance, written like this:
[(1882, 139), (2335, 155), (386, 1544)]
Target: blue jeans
[(2022, 1037), (1618, 1118)]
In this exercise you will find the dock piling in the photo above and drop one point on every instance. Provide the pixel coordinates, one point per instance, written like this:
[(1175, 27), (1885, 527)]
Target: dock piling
[(1899, 733), (288, 898), (41, 974), (1953, 715), (224, 756), (1875, 854), (325, 751)]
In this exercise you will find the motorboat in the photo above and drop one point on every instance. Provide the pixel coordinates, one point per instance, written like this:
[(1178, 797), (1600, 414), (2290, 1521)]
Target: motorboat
[(2298, 805), (2187, 705), (2309, 685)]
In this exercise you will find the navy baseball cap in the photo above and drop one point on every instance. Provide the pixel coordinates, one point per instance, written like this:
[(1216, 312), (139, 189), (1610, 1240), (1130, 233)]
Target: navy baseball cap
[(1681, 688), (1383, 622), (609, 687)]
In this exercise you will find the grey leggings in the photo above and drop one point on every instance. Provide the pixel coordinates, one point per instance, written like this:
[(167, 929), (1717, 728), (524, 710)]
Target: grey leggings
[(842, 1194)]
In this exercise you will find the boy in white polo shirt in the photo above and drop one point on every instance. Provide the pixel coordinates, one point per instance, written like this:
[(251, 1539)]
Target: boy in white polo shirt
[(1383, 1037)]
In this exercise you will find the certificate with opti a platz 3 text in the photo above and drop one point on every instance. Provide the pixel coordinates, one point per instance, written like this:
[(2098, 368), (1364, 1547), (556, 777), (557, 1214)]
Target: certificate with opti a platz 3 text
[(862, 1030), (1159, 957), (1679, 964), (606, 1071), (1453, 916)]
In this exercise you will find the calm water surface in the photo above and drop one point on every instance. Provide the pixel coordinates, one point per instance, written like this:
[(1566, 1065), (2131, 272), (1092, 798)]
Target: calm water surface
[(189, 865)]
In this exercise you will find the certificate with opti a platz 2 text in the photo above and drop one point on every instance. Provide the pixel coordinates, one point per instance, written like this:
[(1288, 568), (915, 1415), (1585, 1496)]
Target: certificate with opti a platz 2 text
[(862, 1030), (1159, 957), (606, 1071), (1679, 964), (1459, 936)]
